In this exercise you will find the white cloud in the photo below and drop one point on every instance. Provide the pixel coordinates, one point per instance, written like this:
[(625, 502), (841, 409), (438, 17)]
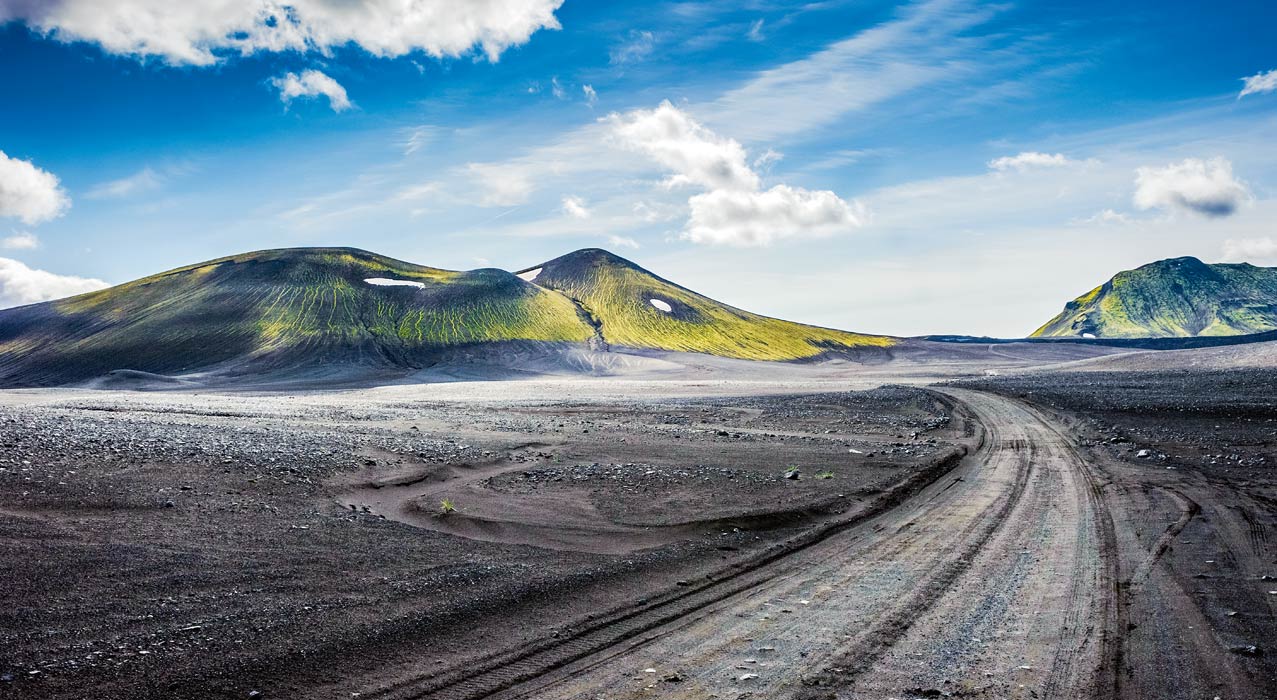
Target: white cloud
[(590, 95), (311, 83), (21, 285), (636, 48), (735, 210), (417, 138), (575, 208), (556, 89), (1251, 250), (144, 180), (1028, 160), (1204, 187), (201, 32), (1259, 83), (20, 240), (769, 158), (503, 186), (928, 44), (622, 242), (1107, 216), (755, 32), (697, 155), (29, 193), (761, 218)]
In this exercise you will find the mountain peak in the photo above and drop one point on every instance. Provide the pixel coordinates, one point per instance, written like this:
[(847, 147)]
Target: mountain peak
[(1175, 297)]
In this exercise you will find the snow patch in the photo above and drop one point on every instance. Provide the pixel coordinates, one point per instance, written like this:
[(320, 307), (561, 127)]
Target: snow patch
[(662, 305), (529, 275), (385, 282)]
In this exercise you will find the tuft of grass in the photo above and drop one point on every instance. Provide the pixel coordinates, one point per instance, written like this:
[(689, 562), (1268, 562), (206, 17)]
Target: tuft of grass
[(446, 507), (825, 475)]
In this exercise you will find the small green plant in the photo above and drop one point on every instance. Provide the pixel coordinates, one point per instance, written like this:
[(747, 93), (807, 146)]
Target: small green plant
[(446, 507), (825, 475)]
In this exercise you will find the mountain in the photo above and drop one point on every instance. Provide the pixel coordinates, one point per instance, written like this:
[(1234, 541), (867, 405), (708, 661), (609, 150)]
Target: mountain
[(1179, 297), (274, 309), (633, 308), (317, 310)]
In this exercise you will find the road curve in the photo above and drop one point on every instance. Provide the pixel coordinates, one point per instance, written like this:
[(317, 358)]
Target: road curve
[(995, 581)]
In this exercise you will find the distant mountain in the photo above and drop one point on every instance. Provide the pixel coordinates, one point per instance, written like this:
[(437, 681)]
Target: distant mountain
[(1179, 297), (275, 309), (633, 308), (317, 309)]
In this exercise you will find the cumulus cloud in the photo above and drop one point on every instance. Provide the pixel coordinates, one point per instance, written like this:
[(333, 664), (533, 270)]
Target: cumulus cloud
[(201, 32), (735, 210), (21, 285), (29, 193), (575, 208), (622, 242), (1205, 187), (144, 180), (761, 218), (697, 155), (20, 240), (590, 95), (311, 83), (1028, 160), (1259, 83), (1251, 250)]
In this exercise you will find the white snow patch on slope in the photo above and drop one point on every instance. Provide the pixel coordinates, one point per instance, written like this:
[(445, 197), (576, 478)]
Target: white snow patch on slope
[(385, 282), (662, 305), (529, 275)]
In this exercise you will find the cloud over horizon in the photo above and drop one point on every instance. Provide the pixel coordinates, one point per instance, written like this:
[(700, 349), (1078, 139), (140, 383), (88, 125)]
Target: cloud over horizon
[(20, 285), (201, 32)]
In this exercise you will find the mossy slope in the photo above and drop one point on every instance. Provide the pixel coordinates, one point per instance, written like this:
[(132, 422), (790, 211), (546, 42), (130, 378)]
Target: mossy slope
[(278, 307), (1179, 297), (618, 295)]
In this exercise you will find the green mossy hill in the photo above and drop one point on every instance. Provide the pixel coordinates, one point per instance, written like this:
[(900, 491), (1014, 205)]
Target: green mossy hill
[(1179, 297), (618, 297), (289, 306)]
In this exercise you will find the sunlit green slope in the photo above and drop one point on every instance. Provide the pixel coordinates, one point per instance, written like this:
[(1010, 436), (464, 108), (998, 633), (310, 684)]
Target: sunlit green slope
[(305, 305), (634, 308), (1173, 298)]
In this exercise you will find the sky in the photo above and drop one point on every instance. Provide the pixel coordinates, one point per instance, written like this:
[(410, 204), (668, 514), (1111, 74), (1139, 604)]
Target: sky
[(940, 166)]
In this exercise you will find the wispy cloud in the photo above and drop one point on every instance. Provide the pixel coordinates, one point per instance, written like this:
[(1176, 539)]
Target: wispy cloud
[(1262, 250), (144, 180), (1259, 83), (20, 240), (636, 47)]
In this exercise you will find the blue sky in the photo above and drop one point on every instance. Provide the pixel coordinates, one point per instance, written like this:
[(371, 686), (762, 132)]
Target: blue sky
[(908, 168)]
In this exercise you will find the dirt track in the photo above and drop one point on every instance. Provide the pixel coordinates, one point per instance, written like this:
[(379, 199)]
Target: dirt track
[(994, 581), (1038, 566)]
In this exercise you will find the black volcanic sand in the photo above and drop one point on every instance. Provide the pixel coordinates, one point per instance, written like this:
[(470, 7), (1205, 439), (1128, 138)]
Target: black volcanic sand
[(188, 546), (1191, 461)]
